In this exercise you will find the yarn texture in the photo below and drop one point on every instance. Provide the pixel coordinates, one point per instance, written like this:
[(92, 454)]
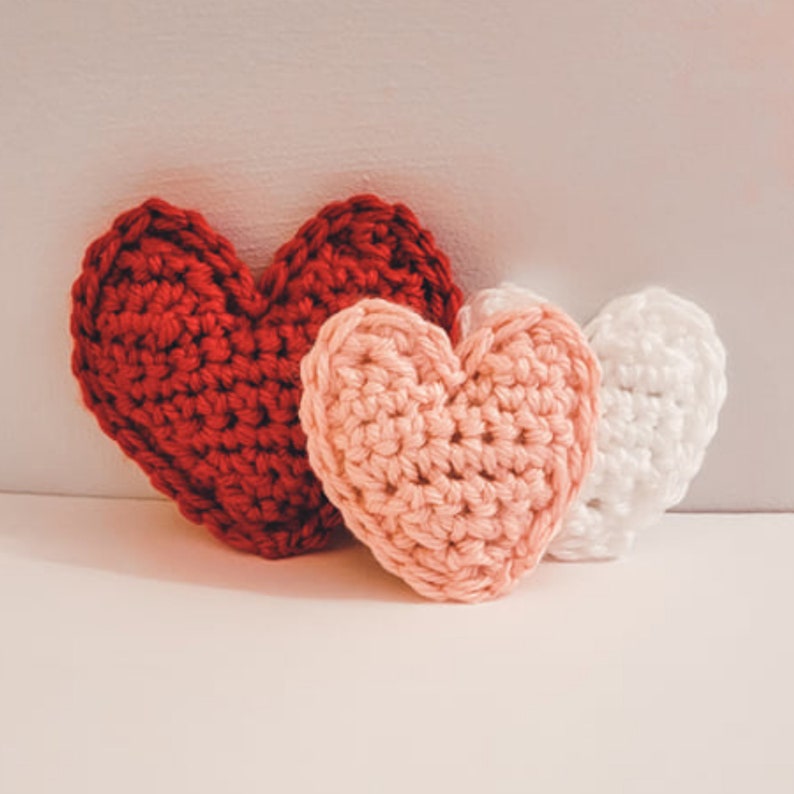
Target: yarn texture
[(455, 467), (663, 385), (193, 367)]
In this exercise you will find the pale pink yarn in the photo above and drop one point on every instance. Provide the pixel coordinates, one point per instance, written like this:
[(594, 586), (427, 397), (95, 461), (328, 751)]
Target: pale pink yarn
[(455, 467)]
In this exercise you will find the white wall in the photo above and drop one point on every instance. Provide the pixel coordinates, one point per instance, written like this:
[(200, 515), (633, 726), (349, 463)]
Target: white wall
[(583, 148)]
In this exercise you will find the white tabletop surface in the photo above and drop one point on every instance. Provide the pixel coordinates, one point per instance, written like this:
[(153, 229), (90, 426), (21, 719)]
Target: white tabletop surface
[(140, 655)]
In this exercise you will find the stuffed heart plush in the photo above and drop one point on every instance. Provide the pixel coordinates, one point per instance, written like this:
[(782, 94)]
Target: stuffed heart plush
[(663, 384), (193, 367), (455, 467)]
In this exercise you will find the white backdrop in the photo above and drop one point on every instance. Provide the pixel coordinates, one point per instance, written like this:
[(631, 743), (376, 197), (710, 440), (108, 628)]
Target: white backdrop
[(583, 149)]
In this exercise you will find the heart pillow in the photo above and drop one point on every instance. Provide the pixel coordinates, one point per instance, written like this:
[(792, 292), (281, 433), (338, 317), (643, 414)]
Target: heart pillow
[(455, 467), (193, 367), (663, 384)]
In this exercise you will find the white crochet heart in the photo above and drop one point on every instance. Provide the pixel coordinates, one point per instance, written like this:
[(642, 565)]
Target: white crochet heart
[(663, 384)]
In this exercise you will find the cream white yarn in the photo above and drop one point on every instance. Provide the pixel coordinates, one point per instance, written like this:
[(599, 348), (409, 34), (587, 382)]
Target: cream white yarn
[(663, 385)]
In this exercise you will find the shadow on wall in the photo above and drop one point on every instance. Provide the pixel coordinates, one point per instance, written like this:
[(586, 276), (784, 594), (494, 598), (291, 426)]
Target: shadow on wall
[(243, 207)]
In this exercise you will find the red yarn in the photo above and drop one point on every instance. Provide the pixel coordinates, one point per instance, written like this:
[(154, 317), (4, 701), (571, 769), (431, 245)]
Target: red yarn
[(195, 370)]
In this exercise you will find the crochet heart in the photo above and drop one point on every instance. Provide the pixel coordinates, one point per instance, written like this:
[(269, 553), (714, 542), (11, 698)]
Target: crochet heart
[(455, 467), (194, 368), (662, 387)]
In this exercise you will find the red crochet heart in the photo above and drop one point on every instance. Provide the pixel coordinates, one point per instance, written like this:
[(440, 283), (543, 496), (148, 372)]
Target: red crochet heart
[(195, 369)]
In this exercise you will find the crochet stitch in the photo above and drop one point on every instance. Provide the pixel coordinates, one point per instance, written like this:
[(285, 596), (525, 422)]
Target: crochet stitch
[(455, 467), (193, 368), (663, 385)]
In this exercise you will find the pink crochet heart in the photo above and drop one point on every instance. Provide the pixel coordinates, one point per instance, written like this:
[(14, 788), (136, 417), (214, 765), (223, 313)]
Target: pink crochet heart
[(455, 467)]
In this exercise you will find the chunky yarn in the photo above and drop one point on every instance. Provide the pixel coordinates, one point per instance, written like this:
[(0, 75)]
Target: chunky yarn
[(455, 467), (663, 384), (193, 368)]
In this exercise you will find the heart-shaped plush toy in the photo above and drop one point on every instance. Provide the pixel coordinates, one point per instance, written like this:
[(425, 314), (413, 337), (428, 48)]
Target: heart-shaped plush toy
[(663, 384), (455, 467), (194, 368)]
